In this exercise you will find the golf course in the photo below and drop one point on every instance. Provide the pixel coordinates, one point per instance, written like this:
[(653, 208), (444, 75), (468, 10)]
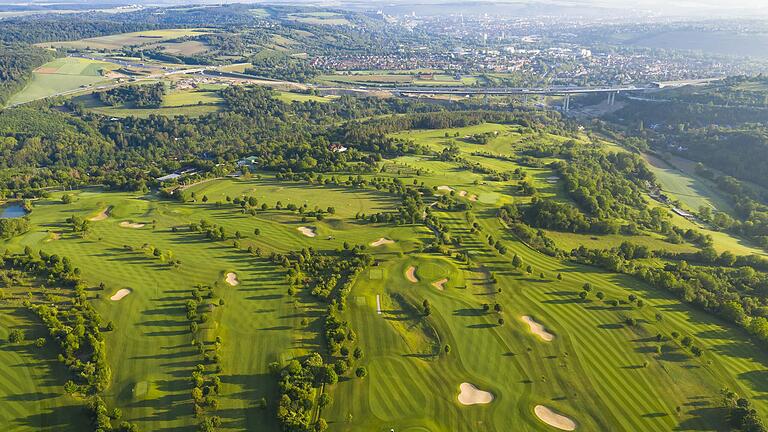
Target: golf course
[(500, 345)]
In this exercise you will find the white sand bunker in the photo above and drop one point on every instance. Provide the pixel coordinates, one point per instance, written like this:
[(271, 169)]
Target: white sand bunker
[(554, 419), (309, 232), (120, 294), (473, 198), (471, 395), (232, 279), (444, 188), (382, 241), (439, 284), (52, 236), (537, 329), (463, 193), (410, 274), (134, 225), (101, 216)]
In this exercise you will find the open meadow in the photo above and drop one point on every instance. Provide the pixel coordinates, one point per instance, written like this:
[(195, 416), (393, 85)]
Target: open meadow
[(118, 41), (63, 75)]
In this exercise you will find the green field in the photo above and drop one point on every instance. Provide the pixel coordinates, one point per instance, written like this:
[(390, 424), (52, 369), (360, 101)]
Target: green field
[(599, 371), (192, 102), (693, 192), (289, 97), (320, 18), (118, 41), (63, 75)]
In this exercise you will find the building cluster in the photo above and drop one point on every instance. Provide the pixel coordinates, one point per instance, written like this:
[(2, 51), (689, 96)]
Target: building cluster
[(534, 47)]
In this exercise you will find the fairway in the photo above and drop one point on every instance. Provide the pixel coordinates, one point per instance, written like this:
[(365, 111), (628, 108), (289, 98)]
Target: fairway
[(537, 349)]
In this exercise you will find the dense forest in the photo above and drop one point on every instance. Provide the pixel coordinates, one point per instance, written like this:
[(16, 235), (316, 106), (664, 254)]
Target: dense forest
[(141, 96)]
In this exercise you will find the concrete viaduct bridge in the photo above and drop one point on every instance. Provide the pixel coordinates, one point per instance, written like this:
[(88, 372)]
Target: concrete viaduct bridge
[(566, 92)]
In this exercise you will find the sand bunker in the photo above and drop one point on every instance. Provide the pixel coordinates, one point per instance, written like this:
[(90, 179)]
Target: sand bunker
[(444, 188), (471, 395), (382, 241), (309, 232), (101, 216), (126, 224), (439, 284), (232, 279), (120, 294), (554, 419), (410, 274), (538, 329), (463, 193), (473, 198), (52, 236)]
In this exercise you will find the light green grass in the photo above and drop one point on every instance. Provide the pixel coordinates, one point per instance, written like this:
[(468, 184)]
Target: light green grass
[(597, 370), (289, 97), (191, 103), (32, 397), (693, 192), (62, 75), (114, 42)]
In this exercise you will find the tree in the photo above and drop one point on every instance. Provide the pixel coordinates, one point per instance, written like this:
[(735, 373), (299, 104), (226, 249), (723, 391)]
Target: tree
[(16, 336), (733, 311), (501, 321), (497, 308), (447, 349), (321, 425), (361, 372), (517, 261), (587, 287), (529, 269), (600, 295)]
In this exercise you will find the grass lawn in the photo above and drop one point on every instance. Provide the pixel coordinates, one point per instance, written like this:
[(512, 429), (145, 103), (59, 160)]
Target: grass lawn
[(692, 191), (598, 370), (193, 103), (289, 97), (31, 379), (61, 75)]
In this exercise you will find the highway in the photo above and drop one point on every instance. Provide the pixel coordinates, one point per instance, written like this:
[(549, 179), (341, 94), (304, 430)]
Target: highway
[(547, 91)]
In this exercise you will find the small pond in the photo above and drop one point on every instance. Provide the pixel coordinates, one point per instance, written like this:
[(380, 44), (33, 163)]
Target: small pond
[(12, 210)]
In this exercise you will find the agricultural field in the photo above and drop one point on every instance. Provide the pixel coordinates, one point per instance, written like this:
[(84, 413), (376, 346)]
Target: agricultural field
[(320, 18), (63, 75), (289, 97), (116, 42), (187, 48)]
